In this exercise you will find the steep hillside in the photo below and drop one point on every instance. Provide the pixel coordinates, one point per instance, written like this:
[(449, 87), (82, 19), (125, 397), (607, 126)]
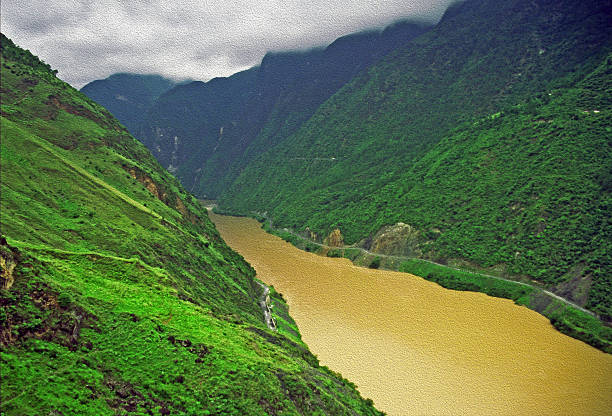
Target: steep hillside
[(118, 295), (190, 122), (488, 134), (207, 132), (128, 96)]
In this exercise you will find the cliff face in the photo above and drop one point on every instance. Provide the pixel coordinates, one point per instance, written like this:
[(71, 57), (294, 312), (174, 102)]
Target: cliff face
[(8, 261)]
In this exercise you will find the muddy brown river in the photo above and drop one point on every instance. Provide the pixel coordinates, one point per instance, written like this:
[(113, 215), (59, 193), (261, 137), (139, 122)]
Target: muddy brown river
[(416, 348)]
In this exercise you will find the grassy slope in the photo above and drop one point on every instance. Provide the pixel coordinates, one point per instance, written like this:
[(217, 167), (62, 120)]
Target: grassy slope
[(118, 295), (458, 136)]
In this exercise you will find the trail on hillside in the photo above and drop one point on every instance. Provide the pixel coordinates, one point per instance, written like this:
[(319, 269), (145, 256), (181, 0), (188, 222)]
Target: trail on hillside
[(389, 256)]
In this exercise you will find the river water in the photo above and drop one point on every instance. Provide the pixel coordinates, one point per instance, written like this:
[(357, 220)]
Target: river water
[(416, 348)]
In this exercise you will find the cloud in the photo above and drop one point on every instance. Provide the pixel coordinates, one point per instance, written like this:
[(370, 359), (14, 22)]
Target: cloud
[(87, 40)]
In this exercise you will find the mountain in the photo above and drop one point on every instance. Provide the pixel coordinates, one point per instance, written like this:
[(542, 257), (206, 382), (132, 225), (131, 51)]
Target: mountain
[(206, 132), (128, 96), (488, 135), (190, 136), (118, 295)]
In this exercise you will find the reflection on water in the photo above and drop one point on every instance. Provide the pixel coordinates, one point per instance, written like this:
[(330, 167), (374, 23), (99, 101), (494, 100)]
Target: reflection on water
[(416, 348)]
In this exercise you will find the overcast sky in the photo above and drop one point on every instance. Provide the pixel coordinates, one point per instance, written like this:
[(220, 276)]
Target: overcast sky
[(92, 39)]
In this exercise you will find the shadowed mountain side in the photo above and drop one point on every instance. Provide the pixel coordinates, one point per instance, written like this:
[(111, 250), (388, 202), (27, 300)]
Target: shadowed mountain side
[(128, 96), (206, 133)]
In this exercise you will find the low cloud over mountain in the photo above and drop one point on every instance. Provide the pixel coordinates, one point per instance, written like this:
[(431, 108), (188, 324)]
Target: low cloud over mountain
[(88, 40)]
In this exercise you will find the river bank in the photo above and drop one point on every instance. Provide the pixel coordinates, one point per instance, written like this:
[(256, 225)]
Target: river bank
[(415, 347), (567, 317)]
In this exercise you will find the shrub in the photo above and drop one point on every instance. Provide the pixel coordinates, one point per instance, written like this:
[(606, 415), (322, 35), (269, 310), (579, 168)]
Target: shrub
[(64, 300), (375, 263)]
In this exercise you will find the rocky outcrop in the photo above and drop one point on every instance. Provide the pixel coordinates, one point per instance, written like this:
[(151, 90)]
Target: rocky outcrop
[(147, 182), (399, 240), (8, 261), (266, 307), (55, 103), (308, 233), (161, 192), (334, 239)]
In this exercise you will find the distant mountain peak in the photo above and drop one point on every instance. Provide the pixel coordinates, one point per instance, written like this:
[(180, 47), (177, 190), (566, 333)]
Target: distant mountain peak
[(128, 96)]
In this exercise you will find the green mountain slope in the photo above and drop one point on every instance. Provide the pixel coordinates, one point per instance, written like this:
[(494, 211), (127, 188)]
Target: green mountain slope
[(187, 124), (206, 133), (128, 96), (118, 295), (488, 134)]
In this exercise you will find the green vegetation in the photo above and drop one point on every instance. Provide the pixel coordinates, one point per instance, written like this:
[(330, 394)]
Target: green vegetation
[(207, 132), (128, 96), (565, 318), (375, 264), (299, 242), (489, 134), (464, 280), (580, 325), (334, 253), (118, 295)]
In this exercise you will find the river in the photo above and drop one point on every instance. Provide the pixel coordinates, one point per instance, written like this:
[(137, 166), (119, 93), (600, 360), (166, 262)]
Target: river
[(416, 348)]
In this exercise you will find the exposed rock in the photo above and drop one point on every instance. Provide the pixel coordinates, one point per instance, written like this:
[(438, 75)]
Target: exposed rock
[(335, 239), (266, 305), (180, 207), (399, 239), (310, 234), (8, 262), (37, 302), (147, 182), (160, 192), (128, 399), (55, 103)]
